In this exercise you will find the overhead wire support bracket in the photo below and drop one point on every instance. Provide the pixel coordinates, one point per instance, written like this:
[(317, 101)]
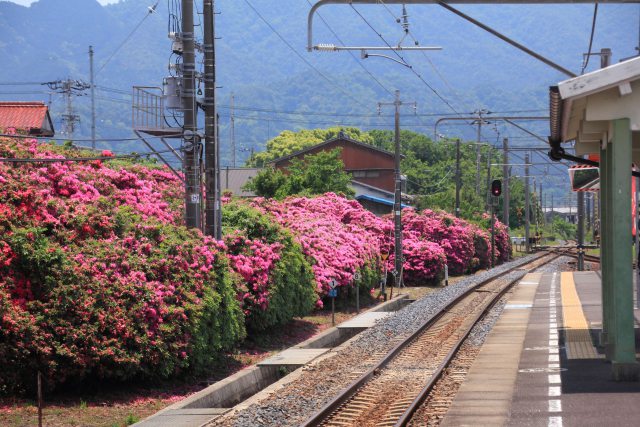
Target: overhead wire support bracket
[(446, 5)]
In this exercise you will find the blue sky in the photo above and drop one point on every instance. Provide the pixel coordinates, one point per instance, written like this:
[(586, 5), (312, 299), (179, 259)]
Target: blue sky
[(28, 2)]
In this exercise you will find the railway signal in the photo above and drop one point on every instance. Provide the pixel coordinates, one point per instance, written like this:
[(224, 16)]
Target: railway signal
[(496, 187)]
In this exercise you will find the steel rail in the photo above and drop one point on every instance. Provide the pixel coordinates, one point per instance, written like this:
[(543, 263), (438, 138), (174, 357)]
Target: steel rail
[(348, 392), (424, 393)]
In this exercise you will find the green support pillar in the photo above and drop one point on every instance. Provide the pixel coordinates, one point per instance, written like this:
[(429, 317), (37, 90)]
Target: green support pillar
[(621, 333), (604, 255)]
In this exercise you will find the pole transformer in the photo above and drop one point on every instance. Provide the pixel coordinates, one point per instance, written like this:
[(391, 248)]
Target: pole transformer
[(190, 139), (458, 179), (93, 100), (505, 186), (212, 206)]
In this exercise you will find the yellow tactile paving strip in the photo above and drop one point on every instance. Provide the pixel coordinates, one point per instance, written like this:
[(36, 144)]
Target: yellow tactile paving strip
[(577, 338)]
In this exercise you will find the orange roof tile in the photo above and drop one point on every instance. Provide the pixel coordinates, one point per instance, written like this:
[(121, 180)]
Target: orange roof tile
[(28, 116)]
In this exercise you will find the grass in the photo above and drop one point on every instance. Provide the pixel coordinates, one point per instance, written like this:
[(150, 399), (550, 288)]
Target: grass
[(118, 405)]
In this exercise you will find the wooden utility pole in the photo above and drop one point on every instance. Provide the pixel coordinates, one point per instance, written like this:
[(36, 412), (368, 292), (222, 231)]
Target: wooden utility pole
[(190, 138)]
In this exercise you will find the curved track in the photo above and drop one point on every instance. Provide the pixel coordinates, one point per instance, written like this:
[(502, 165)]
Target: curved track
[(390, 392)]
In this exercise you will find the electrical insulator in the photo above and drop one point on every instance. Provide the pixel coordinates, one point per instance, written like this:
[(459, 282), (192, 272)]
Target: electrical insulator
[(496, 187), (325, 47)]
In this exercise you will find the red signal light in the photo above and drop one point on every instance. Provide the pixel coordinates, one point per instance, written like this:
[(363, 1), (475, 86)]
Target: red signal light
[(496, 187)]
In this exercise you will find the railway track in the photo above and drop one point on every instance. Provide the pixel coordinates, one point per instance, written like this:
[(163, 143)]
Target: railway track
[(395, 386)]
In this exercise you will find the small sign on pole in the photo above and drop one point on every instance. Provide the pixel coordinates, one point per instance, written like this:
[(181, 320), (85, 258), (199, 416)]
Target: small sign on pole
[(357, 276)]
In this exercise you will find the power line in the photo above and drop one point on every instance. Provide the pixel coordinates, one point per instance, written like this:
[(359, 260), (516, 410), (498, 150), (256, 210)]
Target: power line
[(404, 61), (151, 9), (302, 57), (6, 135), (83, 159), (593, 30), (351, 53)]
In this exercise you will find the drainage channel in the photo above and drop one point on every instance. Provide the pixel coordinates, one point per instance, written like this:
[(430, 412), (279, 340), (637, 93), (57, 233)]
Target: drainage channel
[(244, 387)]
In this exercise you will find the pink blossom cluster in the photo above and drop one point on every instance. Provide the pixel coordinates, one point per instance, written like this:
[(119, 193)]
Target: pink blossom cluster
[(253, 260), (337, 242)]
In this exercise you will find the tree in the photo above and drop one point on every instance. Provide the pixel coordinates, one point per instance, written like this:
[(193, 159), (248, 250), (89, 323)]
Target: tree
[(288, 142), (314, 174)]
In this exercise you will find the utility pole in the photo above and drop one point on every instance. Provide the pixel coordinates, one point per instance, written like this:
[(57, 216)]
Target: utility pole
[(479, 121), (526, 202), (488, 201), (233, 132), (69, 88), (191, 139), (397, 203), (211, 177), (541, 206), (93, 100), (505, 186), (458, 178)]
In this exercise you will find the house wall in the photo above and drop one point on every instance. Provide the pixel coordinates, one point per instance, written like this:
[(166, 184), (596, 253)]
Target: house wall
[(366, 165)]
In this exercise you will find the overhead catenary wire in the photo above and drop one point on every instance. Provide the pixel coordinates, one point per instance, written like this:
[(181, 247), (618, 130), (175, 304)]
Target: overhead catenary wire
[(150, 11), (593, 30), (313, 67), (351, 53), (431, 88)]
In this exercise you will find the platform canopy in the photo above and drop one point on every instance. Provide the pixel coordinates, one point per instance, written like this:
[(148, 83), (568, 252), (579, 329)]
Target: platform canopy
[(582, 108)]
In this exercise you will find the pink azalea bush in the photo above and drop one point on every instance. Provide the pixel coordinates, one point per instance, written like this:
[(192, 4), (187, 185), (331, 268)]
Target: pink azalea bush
[(277, 282), (96, 280), (337, 245)]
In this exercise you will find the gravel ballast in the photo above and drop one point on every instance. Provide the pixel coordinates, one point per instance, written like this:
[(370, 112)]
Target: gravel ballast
[(319, 383)]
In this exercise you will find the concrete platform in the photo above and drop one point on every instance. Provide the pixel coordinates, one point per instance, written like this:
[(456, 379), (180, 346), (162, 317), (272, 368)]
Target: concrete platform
[(294, 357), (540, 365), (364, 320)]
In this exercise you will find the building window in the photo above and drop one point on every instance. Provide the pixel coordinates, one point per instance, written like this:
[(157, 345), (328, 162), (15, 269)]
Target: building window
[(366, 174)]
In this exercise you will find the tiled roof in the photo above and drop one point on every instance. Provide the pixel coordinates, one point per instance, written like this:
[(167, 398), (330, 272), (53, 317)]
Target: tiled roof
[(32, 117)]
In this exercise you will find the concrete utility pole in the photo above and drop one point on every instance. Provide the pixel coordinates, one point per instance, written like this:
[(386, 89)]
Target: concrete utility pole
[(191, 140), (212, 206), (397, 203), (458, 178), (541, 206), (505, 185), (69, 88), (526, 202), (233, 132), (93, 100), (488, 201), (479, 121)]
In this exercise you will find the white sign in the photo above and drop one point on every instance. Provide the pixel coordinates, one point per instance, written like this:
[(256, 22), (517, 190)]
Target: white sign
[(333, 284), (195, 198), (357, 276)]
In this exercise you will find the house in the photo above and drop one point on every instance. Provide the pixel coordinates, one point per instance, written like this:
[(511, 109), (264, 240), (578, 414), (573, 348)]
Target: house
[(233, 179), (371, 168), (30, 117), (366, 163)]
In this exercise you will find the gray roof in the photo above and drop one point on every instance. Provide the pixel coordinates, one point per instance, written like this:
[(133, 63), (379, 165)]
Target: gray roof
[(234, 179)]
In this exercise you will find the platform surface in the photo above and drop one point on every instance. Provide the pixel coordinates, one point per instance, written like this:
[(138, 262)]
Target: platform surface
[(540, 365), (294, 356), (365, 320)]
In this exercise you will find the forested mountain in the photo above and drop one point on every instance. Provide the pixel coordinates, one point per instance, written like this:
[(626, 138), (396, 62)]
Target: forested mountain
[(49, 40)]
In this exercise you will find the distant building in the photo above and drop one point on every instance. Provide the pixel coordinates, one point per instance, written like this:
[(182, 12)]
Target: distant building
[(366, 163), (30, 117), (233, 179), (371, 168)]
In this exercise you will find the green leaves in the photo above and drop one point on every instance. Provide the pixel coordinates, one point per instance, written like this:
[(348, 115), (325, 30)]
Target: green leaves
[(314, 174)]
